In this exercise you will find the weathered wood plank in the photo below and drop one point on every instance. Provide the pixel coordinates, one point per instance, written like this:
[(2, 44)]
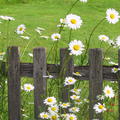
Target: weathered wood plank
[(27, 71), (95, 80), (39, 70), (13, 84), (66, 63)]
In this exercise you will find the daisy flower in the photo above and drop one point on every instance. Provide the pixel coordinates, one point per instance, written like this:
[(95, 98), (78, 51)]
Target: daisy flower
[(65, 105), (86, 100), (113, 63), (115, 70), (83, 1), (53, 108), (112, 16), (107, 58), (103, 38), (49, 76), (71, 117), (54, 116), (28, 87), (44, 115), (74, 109), (69, 81), (108, 91), (2, 53), (62, 21), (73, 21), (20, 29), (111, 42), (55, 36), (30, 54), (40, 28), (99, 108), (25, 37), (76, 91), (100, 97), (78, 101), (50, 101), (76, 47), (7, 18), (77, 74), (74, 97), (45, 37)]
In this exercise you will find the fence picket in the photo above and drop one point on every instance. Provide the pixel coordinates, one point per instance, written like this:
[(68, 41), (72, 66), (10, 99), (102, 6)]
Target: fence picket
[(69, 68), (95, 80), (95, 73), (13, 84), (39, 71)]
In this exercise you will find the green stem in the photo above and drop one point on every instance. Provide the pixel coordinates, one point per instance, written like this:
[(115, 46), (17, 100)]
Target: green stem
[(89, 40), (25, 48), (72, 6)]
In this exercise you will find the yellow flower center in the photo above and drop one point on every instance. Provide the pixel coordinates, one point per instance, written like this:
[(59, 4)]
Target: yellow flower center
[(77, 73), (103, 38), (108, 91), (21, 29), (115, 69), (77, 100), (74, 97), (112, 16), (74, 109), (64, 104), (28, 88), (76, 47), (56, 37), (73, 21), (71, 118), (75, 90), (101, 106), (1, 53), (70, 80), (50, 100), (54, 117), (45, 116), (53, 108)]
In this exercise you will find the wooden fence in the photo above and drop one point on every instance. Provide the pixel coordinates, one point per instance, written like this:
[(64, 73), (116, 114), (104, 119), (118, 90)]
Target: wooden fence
[(95, 72)]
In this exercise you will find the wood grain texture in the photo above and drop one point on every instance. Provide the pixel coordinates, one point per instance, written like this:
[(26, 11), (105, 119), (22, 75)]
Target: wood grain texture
[(13, 83), (95, 80), (39, 70), (66, 66), (26, 70)]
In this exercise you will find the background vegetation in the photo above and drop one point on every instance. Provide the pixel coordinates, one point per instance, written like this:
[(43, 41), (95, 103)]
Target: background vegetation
[(46, 14)]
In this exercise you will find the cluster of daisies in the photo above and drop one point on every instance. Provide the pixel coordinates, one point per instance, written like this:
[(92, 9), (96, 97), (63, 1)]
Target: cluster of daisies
[(64, 110), (115, 43), (108, 93)]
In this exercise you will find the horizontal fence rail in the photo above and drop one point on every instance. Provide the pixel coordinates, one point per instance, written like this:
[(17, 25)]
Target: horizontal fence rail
[(95, 73)]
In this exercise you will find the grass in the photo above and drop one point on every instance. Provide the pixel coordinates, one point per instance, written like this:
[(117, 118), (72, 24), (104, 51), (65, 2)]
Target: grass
[(41, 14), (46, 14)]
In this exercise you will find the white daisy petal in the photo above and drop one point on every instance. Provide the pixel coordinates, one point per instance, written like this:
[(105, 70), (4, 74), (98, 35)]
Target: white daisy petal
[(73, 21), (76, 47), (112, 16)]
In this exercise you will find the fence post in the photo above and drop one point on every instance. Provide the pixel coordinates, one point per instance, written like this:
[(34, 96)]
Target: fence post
[(67, 62), (119, 84), (39, 70), (95, 80), (13, 84)]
